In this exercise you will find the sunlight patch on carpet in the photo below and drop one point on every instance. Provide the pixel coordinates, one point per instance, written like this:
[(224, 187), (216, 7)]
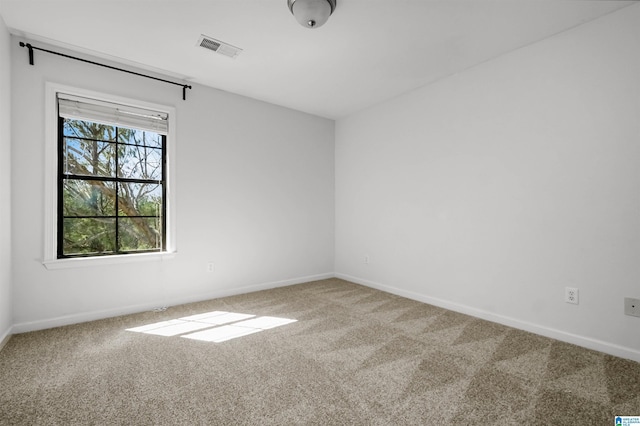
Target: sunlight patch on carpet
[(215, 326)]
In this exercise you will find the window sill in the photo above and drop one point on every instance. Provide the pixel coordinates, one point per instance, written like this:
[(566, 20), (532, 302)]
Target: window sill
[(82, 262)]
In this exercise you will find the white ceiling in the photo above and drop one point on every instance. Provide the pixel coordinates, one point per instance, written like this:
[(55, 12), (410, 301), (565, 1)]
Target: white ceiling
[(368, 51)]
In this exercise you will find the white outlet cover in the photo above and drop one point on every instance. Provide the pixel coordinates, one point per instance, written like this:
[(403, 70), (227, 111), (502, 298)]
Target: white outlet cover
[(571, 295), (632, 307)]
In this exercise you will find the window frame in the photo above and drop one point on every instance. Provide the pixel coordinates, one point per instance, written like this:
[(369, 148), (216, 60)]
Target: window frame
[(65, 176), (51, 190)]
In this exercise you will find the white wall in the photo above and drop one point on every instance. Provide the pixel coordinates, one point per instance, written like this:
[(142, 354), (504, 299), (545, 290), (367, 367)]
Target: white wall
[(491, 190), (6, 309), (254, 195)]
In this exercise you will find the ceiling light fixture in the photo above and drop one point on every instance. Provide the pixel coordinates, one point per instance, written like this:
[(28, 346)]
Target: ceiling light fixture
[(311, 13)]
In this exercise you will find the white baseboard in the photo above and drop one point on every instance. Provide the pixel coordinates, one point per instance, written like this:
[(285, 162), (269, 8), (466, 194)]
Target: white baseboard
[(257, 287), (4, 338), (586, 342), (132, 309)]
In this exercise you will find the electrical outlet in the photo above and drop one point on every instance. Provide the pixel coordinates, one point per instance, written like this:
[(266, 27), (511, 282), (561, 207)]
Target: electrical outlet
[(571, 295), (366, 259), (210, 267), (632, 307)]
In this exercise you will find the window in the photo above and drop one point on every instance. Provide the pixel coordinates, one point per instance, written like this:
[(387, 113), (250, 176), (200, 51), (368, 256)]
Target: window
[(111, 197)]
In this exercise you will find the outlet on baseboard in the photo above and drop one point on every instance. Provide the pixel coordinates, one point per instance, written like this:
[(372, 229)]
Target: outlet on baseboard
[(571, 295), (632, 307)]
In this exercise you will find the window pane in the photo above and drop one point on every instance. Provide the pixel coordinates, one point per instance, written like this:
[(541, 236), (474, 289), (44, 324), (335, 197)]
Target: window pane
[(139, 162), (88, 236), (139, 137), (139, 199), (89, 130), (88, 158), (139, 233), (88, 198)]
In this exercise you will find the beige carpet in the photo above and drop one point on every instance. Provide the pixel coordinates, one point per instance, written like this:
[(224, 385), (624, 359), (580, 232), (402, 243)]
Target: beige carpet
[(354, 356)]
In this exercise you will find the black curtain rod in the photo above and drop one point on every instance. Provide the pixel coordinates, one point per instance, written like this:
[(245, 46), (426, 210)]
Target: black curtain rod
[(32, 48)]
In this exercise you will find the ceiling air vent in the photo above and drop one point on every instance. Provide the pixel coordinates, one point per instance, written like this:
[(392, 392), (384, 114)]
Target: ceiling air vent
[(218, 46)]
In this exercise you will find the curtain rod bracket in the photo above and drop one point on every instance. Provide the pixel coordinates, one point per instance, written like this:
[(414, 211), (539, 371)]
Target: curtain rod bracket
[(184, 91), (32, 48)]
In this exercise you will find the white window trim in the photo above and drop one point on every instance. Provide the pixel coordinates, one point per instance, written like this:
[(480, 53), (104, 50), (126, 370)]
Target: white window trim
[(50, 260)]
